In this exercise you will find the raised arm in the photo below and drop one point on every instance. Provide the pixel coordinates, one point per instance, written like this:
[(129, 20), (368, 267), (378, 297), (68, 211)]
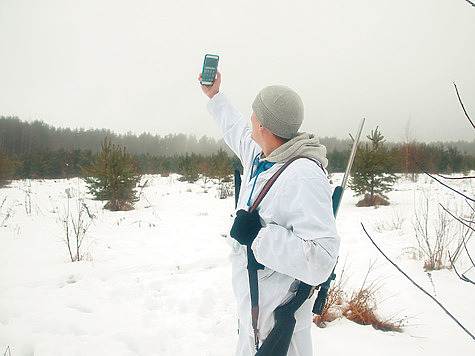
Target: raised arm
[(236, 132)]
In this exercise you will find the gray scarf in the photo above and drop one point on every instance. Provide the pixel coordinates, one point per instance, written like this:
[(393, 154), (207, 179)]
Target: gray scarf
[(304, 144)]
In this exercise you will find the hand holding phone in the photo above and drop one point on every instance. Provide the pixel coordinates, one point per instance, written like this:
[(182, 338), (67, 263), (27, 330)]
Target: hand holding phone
[(210, 69), (211, 91), (211, 82)]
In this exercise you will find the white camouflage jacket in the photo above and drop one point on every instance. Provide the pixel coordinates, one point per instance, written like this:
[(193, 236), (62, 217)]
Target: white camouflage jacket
[(298, 239)]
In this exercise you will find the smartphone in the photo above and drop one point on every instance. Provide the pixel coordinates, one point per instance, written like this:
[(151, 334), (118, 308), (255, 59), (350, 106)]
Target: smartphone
[(210, 68)]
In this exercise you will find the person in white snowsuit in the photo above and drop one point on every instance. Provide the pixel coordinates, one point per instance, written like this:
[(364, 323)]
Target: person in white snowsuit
[(296, 238)]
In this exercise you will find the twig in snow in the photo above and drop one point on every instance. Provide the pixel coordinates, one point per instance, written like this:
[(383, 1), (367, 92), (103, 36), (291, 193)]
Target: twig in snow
[(422, 289), (142, 187), (91, 216), (3, 202)]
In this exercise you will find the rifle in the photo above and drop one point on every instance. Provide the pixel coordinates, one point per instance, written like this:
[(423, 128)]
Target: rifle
[(336, 200)]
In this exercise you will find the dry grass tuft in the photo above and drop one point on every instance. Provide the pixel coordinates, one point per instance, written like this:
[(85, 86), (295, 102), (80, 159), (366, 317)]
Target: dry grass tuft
[(359, 308), (333, 308)]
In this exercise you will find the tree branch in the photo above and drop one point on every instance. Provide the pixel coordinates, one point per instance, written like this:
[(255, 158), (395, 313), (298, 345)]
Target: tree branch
[(468, 253), (419, 287), (445, 185), (462, 277), (456, 218), (456, 90), (454, 178)]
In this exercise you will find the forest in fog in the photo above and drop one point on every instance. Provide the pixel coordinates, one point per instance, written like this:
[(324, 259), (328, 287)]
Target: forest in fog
[(38, 150)]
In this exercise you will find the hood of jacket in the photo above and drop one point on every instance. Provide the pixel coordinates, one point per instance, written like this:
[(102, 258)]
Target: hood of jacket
[(304, 144)]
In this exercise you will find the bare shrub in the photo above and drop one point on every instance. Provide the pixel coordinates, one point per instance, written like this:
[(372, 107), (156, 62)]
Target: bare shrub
[(225, 189), (28, 198), (206, 184), (396, 221), (432, 244), (5, 212), (75, 225), (393, 223)]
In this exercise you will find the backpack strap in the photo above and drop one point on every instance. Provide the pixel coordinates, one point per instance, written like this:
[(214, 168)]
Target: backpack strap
[(276, 175), (252, 273)]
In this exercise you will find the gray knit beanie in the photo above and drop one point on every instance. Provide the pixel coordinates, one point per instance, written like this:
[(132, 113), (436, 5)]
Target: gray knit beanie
[(280, 110)]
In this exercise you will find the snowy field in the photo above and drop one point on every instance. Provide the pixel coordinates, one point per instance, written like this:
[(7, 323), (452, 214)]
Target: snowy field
[(156, 280)]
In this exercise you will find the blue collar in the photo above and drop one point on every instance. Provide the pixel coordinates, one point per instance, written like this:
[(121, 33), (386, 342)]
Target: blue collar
[(257, 168)]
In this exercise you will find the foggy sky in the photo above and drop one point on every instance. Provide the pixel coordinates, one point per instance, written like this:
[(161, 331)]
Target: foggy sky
[(133, 65)]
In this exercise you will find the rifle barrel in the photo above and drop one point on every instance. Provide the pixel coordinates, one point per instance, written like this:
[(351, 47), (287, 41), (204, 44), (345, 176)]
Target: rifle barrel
[(348, 166)]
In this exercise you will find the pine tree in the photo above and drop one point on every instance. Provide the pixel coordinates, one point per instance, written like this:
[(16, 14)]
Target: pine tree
[(373, 167), (220, 166), (188, 168), (112, 177), (6, 168)]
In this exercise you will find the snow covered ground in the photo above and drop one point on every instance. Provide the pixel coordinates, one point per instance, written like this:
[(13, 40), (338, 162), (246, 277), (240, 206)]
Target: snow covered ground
[(156, 280)]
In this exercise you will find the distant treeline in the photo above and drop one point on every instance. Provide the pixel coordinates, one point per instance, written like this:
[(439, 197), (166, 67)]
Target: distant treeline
[(37, 150), (18, 137)]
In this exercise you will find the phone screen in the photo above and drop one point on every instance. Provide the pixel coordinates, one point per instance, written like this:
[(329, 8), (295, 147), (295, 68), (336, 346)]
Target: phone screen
[(211, 61)]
